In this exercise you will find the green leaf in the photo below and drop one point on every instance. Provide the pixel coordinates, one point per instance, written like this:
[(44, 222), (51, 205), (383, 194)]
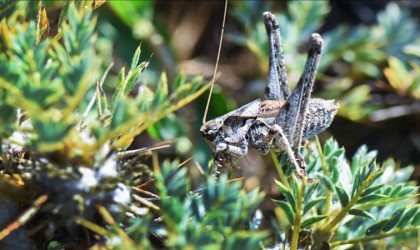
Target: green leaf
[(408, 215), (376, 227), (180, 80), (371, 197), (333, 165), (416, 219), (310, 190), (394, 218), (287, 193), (312, 220), (328, 184), (133, 77), (342, 195), (287, 209), (396, 190), (356, 184), (407, 190), (372, 189), (312, 203), (136, 57), (119, 90), (362, 213)]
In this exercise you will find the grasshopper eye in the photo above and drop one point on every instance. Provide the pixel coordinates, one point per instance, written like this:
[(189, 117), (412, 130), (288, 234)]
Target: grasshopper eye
[(209, 130)]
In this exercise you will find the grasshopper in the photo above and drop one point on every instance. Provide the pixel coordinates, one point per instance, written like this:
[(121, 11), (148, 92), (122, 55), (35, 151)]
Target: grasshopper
[(281, 119)]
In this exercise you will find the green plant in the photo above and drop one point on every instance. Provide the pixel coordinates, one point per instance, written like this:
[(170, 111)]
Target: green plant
[(349, 203), (69, 179)]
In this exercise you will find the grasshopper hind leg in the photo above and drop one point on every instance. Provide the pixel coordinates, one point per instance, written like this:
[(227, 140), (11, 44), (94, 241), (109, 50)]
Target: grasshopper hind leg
[(277, 86)]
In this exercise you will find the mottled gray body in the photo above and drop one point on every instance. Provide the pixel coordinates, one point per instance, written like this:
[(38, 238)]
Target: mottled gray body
[(281, 120)]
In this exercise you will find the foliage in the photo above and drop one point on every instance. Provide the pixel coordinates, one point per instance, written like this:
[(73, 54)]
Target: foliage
[(348, 203), (69, 177)]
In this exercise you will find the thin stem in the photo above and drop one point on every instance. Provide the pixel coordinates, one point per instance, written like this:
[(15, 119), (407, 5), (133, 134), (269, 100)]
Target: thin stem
[(217, 64), (328, 198), (279, 169), (298, 216)]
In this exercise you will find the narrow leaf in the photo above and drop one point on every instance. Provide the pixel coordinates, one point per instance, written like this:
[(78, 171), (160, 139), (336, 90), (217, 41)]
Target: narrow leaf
[(407, 190), (356, 184), (287, 193), (371, 197), (136, 57), (308, 222), (287, 209), (408, 215), (416, 219), (312, 203), (334, 170), (43, 25), (377, 227), (362, 213), (119, 90), (328, 184), (394, 218), (372, 189), (396, 190), (342, 195), (310, 190)]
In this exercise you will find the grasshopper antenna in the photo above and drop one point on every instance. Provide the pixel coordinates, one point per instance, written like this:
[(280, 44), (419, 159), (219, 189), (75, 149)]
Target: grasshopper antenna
[(217, 64)]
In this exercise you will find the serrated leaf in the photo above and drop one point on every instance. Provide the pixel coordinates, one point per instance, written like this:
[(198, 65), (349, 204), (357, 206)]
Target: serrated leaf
[(312, 203), (287, 193), (362, 213), (342, 196), (394, 218), (287, 209), (308, 222), (376, 227)]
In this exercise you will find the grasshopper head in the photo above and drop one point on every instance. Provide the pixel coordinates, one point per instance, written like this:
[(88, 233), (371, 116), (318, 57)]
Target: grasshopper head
[(210, 130)]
